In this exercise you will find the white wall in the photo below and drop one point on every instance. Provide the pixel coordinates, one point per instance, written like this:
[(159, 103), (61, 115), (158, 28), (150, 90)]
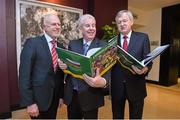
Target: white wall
[(150, 23)]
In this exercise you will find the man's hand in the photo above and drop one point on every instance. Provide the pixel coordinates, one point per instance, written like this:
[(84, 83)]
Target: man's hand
[(61, 102), (140, 71), (97, 81), (62, 65), (33, 110)]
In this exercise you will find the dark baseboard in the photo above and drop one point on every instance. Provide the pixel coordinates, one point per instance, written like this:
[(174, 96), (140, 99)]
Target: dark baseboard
[(5, 115), (153, 82), (8, 114), (16, 107)]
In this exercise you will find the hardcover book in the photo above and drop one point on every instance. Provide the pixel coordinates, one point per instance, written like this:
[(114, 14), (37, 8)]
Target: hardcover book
[(103, 58), (128, 60)]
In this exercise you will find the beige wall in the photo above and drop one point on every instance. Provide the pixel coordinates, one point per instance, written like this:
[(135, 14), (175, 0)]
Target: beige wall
[(150, 23)]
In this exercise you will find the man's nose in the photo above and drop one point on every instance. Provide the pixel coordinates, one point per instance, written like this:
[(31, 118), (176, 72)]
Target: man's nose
[(92, 27), (122, 23)]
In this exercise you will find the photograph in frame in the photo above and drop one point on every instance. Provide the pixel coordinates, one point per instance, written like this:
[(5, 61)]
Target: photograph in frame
[(29, 15)]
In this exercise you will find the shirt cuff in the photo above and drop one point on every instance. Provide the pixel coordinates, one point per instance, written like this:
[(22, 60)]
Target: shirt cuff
[(105, 83)]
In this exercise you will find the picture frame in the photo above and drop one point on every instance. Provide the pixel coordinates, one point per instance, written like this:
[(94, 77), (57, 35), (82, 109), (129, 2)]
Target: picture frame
[(29, 15)]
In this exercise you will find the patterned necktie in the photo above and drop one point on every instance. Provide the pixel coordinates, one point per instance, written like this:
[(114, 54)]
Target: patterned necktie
[(85, 48), (125, 43), (54, 54)]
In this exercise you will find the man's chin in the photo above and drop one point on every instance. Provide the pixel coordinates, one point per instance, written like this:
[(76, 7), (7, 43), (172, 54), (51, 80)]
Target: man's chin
[(56, 35), (91, 37)]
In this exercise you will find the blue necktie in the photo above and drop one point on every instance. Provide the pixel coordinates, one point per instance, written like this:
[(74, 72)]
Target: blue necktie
[(85, 48), (75, 80)]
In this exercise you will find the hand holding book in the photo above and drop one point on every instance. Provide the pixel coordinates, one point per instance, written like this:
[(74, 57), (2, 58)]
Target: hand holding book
[(138, 71), (97, 81), (62, 65)]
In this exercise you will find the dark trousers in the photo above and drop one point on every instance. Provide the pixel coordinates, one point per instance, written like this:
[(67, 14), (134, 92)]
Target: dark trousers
[(75, 112), (51, 112), (135, 107)]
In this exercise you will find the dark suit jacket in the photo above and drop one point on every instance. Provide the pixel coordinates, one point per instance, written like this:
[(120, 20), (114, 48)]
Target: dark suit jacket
[(90, 98), (37, 79), (138, 47)]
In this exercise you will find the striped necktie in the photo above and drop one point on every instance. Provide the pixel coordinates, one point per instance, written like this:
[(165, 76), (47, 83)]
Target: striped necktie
[(54, 54)]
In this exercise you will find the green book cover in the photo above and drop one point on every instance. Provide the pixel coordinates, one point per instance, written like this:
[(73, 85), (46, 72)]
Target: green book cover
[(103, 58), (128, 60)]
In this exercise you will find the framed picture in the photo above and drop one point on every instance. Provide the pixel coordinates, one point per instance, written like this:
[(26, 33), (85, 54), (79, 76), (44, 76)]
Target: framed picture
[(29, 15)]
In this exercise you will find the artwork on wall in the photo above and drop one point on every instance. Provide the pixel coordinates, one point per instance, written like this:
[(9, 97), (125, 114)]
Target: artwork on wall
[(29, 15)]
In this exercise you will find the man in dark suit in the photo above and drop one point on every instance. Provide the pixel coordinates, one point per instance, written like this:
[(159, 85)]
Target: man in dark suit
[(126, 85), (84, 97), (40, 78)]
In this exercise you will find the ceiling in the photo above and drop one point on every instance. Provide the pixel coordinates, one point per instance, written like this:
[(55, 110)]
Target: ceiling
[(151, 4)]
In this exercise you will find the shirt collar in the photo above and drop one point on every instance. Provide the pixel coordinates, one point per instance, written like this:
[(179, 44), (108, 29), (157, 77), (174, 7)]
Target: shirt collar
[(128, 35), (89, 42), (48, 38)]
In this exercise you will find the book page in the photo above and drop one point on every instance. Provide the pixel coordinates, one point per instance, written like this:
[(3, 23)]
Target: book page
[(147, 60), (92, 51), (127, 59), (105, 57), (77, 64), (156, 52)]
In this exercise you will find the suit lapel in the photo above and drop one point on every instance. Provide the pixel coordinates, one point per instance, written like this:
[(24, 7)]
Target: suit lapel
[(94, 44), (80, 46), (119, 40), (132, 42), (46, 48)]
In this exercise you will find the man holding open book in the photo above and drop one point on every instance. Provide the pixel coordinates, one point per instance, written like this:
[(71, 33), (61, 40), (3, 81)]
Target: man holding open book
[(84, 97), (125, 84)]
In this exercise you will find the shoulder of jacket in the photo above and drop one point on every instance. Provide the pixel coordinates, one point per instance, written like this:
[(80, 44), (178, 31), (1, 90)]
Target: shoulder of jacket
[(75, 41), (101, 42), (33, 41), (139, 33)]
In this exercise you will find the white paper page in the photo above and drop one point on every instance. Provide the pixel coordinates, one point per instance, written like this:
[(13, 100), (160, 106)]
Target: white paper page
[(157, 50), (152, 55), (92, 51)]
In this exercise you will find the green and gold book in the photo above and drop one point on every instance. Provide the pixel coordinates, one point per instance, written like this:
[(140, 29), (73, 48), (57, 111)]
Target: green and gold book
[(103, 58)]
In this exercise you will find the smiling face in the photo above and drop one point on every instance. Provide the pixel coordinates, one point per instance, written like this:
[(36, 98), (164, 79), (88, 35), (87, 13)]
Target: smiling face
[(124, 23), (88, 28), (52, 26)]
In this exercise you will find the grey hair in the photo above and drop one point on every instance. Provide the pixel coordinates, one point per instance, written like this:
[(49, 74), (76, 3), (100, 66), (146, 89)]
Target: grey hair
[(46, 17), (120, 13), (84, 17)]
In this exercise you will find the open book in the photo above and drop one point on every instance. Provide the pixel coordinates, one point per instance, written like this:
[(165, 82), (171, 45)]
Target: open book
[(102, 58), (128, 60)]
